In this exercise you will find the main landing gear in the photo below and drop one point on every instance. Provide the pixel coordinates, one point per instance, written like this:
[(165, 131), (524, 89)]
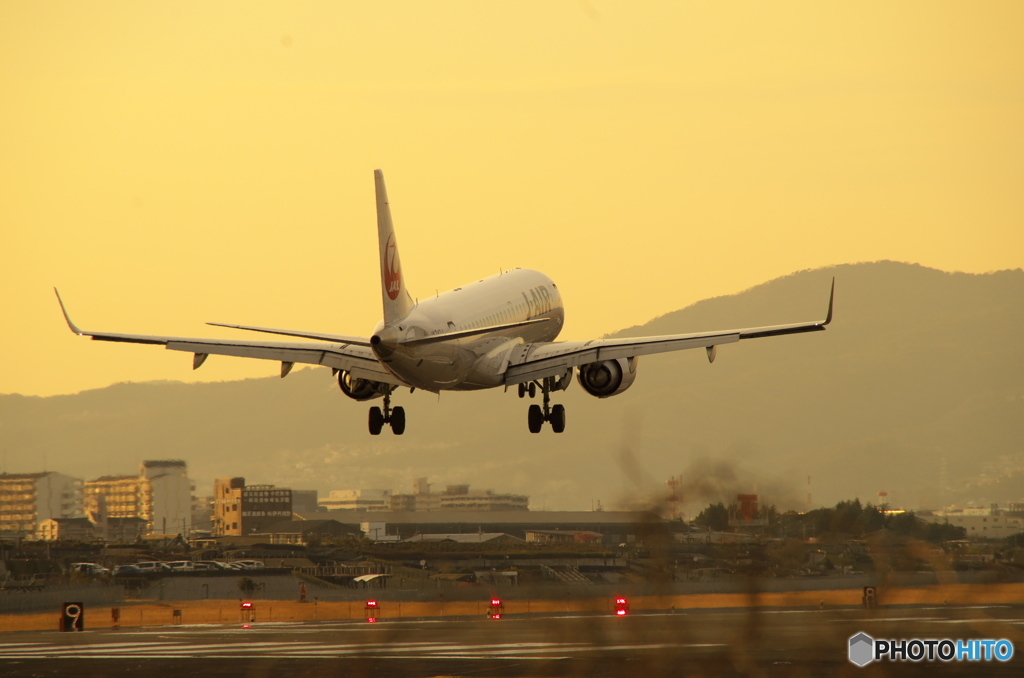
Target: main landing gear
[(392, 417), (538, 415)]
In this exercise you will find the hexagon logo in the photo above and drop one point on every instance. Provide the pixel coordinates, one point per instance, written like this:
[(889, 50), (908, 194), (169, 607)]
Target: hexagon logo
[(862, 649)]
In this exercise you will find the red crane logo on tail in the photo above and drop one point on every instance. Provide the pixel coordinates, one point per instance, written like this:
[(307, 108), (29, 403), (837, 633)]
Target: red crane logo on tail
[(392, 273)]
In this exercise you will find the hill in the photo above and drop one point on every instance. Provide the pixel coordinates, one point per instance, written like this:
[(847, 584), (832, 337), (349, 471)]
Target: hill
[(917, 388)]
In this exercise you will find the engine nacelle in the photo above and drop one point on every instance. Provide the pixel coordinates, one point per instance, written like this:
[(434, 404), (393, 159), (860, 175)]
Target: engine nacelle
[(360, 389), (608, 377)]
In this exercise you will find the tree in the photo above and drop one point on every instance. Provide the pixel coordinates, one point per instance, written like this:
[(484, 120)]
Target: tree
[(715, 516)]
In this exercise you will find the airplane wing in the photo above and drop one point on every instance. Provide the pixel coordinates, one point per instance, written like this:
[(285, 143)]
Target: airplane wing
[(552, 359), (352, 356)]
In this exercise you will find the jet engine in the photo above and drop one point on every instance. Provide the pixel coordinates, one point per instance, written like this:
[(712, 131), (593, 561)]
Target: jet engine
[(360, 389), (608, 377)]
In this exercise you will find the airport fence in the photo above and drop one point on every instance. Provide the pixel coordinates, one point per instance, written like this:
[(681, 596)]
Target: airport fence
[(289, 587), (54, 596)]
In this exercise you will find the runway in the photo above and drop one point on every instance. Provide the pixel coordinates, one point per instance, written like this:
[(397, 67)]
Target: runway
[(721, 642)]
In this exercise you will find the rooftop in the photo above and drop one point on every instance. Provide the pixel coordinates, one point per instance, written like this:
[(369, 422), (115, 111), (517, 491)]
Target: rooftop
[(534, 518)]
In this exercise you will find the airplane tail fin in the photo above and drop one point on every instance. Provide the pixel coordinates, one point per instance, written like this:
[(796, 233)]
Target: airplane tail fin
[(396, 298)]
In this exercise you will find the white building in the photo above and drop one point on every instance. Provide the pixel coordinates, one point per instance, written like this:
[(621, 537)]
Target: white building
[(357, 500), (980, 523), (170, 498), (454, 498)]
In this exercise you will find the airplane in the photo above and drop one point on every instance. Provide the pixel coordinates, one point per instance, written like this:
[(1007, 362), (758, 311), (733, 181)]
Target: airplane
[(496, 332)]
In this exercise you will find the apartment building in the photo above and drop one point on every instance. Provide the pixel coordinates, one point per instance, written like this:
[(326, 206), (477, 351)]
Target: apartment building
[(27, 499), (122, 496), (170, 496), (161, 494)]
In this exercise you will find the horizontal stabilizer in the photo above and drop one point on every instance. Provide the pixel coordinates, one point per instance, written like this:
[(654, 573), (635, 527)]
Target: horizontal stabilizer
[(317, 336)]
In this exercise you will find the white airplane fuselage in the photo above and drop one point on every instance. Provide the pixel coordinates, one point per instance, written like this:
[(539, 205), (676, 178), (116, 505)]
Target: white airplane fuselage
[(474, 362)]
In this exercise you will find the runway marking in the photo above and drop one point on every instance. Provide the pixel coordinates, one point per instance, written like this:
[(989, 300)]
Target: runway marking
[(173, 649)]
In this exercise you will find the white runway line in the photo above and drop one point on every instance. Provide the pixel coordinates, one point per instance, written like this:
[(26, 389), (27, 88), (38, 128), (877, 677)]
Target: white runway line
[(436, 650)]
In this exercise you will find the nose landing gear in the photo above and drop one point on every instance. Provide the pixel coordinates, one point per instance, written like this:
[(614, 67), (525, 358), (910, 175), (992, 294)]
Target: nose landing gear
[(537, 415), (392, 417)]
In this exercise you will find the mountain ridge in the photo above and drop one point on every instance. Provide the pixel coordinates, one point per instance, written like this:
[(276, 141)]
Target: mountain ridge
[(914, 389)]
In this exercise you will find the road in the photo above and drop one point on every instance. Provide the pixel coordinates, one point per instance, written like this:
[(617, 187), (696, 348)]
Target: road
[(774, 642)]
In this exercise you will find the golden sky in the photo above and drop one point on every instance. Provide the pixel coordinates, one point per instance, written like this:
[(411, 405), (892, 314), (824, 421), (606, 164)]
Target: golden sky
[(168, 164)]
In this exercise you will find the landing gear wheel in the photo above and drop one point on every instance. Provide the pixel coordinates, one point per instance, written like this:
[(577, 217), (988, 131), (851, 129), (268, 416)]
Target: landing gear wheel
[(398, 421), (522, 390), (539, 414), (557, 418), (535, 418), (376, 421)]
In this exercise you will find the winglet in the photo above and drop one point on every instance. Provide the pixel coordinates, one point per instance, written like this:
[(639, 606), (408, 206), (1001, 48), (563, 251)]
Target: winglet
[(74, 328), (831, 298)]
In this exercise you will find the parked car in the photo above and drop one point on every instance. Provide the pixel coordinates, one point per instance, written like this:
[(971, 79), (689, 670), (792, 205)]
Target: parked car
[(182, 566), (89, 569), (212, 566), (128, 571), (249, 564), (153, 566)]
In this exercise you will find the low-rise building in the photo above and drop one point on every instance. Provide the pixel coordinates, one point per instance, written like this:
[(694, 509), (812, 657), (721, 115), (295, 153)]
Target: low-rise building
[(980, 523), (356, 500), (615, 527), (459, 498), (241, 510), (563, 537), (67, 529), (466, 538), (454, 498), (89, 529), (303, 531), (125, 530)]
